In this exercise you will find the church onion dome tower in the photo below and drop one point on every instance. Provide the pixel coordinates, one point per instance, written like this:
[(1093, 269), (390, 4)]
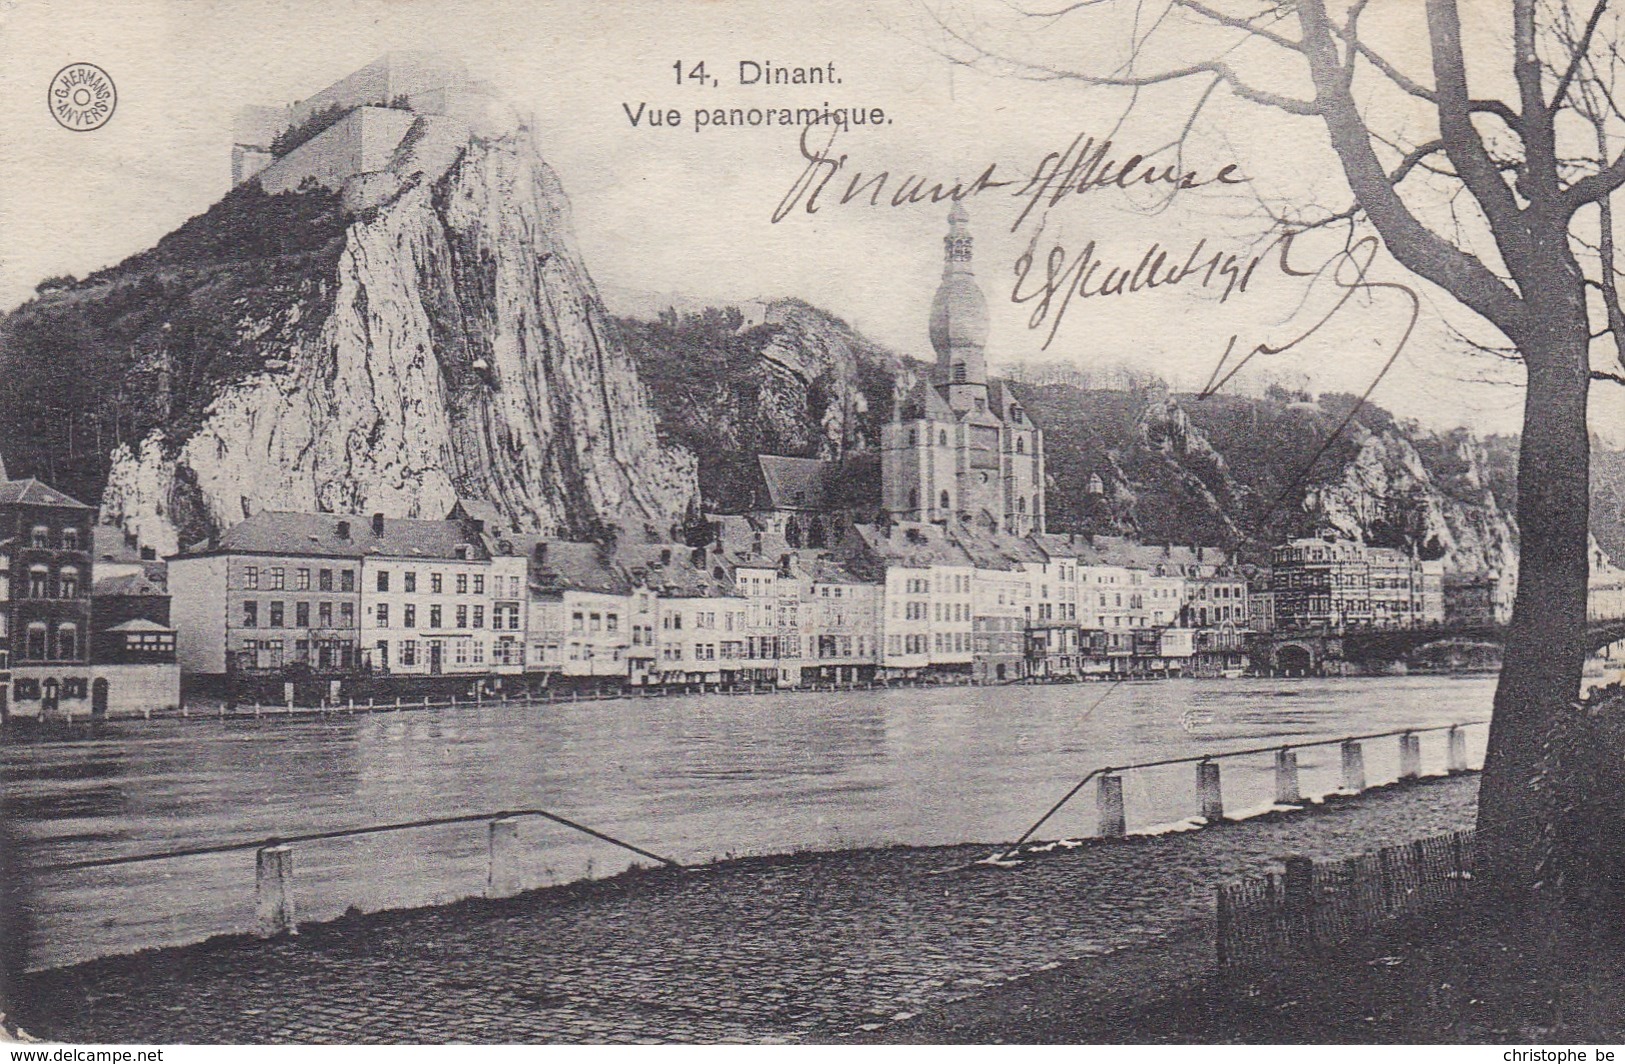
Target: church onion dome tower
[(959, 312)]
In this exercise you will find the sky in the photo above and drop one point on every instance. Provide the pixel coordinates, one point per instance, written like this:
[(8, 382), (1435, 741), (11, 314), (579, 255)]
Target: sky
[(689, 211)]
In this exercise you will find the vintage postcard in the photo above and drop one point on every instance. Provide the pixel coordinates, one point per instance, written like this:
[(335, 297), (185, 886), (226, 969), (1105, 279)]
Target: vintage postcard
[(878, 521)]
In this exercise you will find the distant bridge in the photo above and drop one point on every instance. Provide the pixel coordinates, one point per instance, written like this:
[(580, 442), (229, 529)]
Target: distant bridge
[(1308, 651)]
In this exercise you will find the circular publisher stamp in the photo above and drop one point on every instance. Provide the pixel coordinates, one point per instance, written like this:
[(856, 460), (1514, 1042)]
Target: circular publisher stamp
[(82, 97)]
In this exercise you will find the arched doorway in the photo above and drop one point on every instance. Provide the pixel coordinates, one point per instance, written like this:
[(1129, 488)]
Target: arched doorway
[(1294, 660), (98, 697)]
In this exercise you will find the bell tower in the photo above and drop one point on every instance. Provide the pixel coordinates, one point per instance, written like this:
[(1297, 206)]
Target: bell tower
[(959, 321)]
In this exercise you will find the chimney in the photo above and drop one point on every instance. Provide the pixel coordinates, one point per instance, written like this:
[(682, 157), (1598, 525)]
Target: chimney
[(377, 524), (541, 553), (344, 530)]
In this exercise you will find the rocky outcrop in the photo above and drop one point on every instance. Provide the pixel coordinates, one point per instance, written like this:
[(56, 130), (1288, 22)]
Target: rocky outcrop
[(452, 345)]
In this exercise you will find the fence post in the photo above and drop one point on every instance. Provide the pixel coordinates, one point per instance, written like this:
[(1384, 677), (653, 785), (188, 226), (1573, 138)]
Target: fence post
[(1300, 897), (502, 878), (1286, 777), (1208, 790), (1410, 756), (273, 890), (1456, 745), (1109, 801), (1353, 767)]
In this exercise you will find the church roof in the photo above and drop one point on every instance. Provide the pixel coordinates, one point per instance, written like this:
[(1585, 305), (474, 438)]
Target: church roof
[(819, 485)]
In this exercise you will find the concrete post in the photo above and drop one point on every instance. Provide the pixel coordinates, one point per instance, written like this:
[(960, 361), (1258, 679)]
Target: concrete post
[(1286, 778), (1410, 756), (1353, 767), (1207, 789), (1109, 801), (273, 882), (1456, 745), (502, 877)]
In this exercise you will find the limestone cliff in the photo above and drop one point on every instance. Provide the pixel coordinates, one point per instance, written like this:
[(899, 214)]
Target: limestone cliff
[(441, 339)]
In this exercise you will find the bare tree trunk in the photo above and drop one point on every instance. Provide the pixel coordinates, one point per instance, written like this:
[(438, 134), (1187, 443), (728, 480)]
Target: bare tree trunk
[(1545, 651)]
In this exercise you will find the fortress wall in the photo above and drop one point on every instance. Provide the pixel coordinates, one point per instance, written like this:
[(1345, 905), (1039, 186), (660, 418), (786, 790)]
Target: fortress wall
[(362, 142), (395, 74)]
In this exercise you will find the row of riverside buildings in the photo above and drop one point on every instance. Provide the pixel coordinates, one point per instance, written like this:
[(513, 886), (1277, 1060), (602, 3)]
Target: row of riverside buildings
[(936, 566)]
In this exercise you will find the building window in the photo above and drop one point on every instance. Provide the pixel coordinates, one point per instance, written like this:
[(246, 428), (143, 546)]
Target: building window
[(1021, 446), (347, 614), (479, 653), (251, 614), (913, 438), (251, 577), (383, 580), (913, 499), (41, 538), (409, 616), (383, 615), (324, 614), (67, 642), (276, 614), (39, 582), (36, 641), (479, 583), (942, 438), (382, 661), (276, 579), (324, 580), (479, 616), (347, 580), (301, 615), (434, 616), (409, 652), (942, 501), (409, 581), (301, 580), (462, 583), (462, 616), (70, 539), (436, 583), (959, 373)]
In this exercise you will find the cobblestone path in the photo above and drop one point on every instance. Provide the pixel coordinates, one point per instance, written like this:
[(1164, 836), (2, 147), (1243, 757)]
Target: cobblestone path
[(811, 946)]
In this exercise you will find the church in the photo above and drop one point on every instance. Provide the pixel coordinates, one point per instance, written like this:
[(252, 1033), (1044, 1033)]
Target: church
[(958, 447)]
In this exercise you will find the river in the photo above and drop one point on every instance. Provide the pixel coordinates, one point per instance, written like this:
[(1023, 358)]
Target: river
[(694, 779)]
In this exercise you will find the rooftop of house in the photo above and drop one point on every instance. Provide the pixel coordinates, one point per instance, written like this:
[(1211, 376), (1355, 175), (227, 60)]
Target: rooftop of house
[(912, 544), (346, 536), (130, 585), (31, 492), (140, 624)]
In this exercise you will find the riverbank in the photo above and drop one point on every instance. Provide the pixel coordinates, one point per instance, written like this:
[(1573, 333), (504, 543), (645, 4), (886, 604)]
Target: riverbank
[(816, 946), (1452, 980)]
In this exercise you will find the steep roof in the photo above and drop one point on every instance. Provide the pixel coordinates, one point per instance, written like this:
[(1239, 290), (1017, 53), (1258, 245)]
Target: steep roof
[(991, 549), (914, 544), (318, 535), (668, 568), (797, 483), (563, 565), (31, 492)]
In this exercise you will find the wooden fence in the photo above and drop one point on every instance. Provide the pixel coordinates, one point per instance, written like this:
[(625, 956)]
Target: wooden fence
[(1316, 905)]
